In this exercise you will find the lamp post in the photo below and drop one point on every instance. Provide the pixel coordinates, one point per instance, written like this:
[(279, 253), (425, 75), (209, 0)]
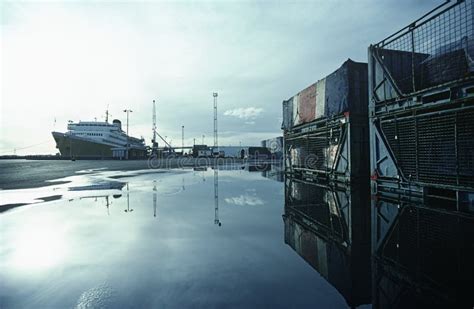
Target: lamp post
[(216, 144), (182, 140), (128, 111)]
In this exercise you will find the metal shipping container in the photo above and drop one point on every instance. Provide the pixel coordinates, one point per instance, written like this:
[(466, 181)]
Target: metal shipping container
[(344, 90), (307, 104), (331, 149), (421, 106)]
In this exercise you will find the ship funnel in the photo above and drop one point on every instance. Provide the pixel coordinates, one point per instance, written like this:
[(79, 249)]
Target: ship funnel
[(117, 123)]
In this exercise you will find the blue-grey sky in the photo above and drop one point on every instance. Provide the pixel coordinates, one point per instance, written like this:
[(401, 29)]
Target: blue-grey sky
[(70, 60)]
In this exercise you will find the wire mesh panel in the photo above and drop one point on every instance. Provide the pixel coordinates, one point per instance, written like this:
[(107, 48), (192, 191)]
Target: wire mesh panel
[(436, 49), (437, 149), (316, 150), (427, 252)]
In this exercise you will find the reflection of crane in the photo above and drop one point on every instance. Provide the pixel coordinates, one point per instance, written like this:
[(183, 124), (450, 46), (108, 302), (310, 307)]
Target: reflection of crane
[(154, 198), (216, 197), (107, 203), (128, 201)]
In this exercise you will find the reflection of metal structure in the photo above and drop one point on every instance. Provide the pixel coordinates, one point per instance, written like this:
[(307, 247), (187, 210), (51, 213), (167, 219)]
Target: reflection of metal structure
[(128, 210), (154, 198), (107, 204), (422, 255), (216, 197), (330, 229), (275, 171), (421, 106)]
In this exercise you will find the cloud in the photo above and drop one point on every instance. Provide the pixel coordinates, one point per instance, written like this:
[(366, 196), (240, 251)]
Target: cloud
[(244, 200), (244, 113)]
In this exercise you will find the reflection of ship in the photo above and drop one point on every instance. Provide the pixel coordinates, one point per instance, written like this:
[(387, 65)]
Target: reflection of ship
[(99, 186), (423, 256), (93, 139), (330, 229)]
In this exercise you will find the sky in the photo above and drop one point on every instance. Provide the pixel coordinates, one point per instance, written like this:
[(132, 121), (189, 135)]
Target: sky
[(72, 60)]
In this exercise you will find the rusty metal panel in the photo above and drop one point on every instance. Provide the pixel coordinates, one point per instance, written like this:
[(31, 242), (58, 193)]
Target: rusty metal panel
[(320, 98), (296, 116), (287, 123), (307, 104)]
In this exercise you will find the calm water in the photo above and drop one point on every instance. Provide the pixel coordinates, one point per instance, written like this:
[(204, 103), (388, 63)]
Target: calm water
[(237, 237), (155, 243)]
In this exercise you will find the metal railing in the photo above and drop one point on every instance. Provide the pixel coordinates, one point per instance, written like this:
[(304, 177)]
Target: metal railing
[(436, 49)]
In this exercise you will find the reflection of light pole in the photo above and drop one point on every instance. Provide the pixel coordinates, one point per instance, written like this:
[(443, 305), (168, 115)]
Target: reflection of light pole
[(128, 201), (216, 197), (154, 198), (128, 111), (182, 140), (203, 139)]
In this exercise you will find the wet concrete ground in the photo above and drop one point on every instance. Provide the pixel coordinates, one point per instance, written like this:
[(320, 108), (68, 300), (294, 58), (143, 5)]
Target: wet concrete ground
[(16, 174)]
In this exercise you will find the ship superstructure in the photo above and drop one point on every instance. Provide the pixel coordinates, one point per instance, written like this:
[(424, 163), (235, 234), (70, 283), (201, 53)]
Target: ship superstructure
[(98, 140)]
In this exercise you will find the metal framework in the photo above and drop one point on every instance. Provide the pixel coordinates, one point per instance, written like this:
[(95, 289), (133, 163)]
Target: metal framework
[(421, 106), (410, 242), (435, 50), (324, 150)]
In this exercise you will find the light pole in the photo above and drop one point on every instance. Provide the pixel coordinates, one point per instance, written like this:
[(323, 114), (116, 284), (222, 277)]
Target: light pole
[(182, 140), (128, 111), (216, 144), (203, 139)]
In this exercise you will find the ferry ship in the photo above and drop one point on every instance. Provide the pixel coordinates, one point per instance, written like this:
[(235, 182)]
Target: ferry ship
[(98, 140)]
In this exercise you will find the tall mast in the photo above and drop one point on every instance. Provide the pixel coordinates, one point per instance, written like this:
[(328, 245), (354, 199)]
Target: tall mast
[(107, 114), (216, 144), (154, 122)]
